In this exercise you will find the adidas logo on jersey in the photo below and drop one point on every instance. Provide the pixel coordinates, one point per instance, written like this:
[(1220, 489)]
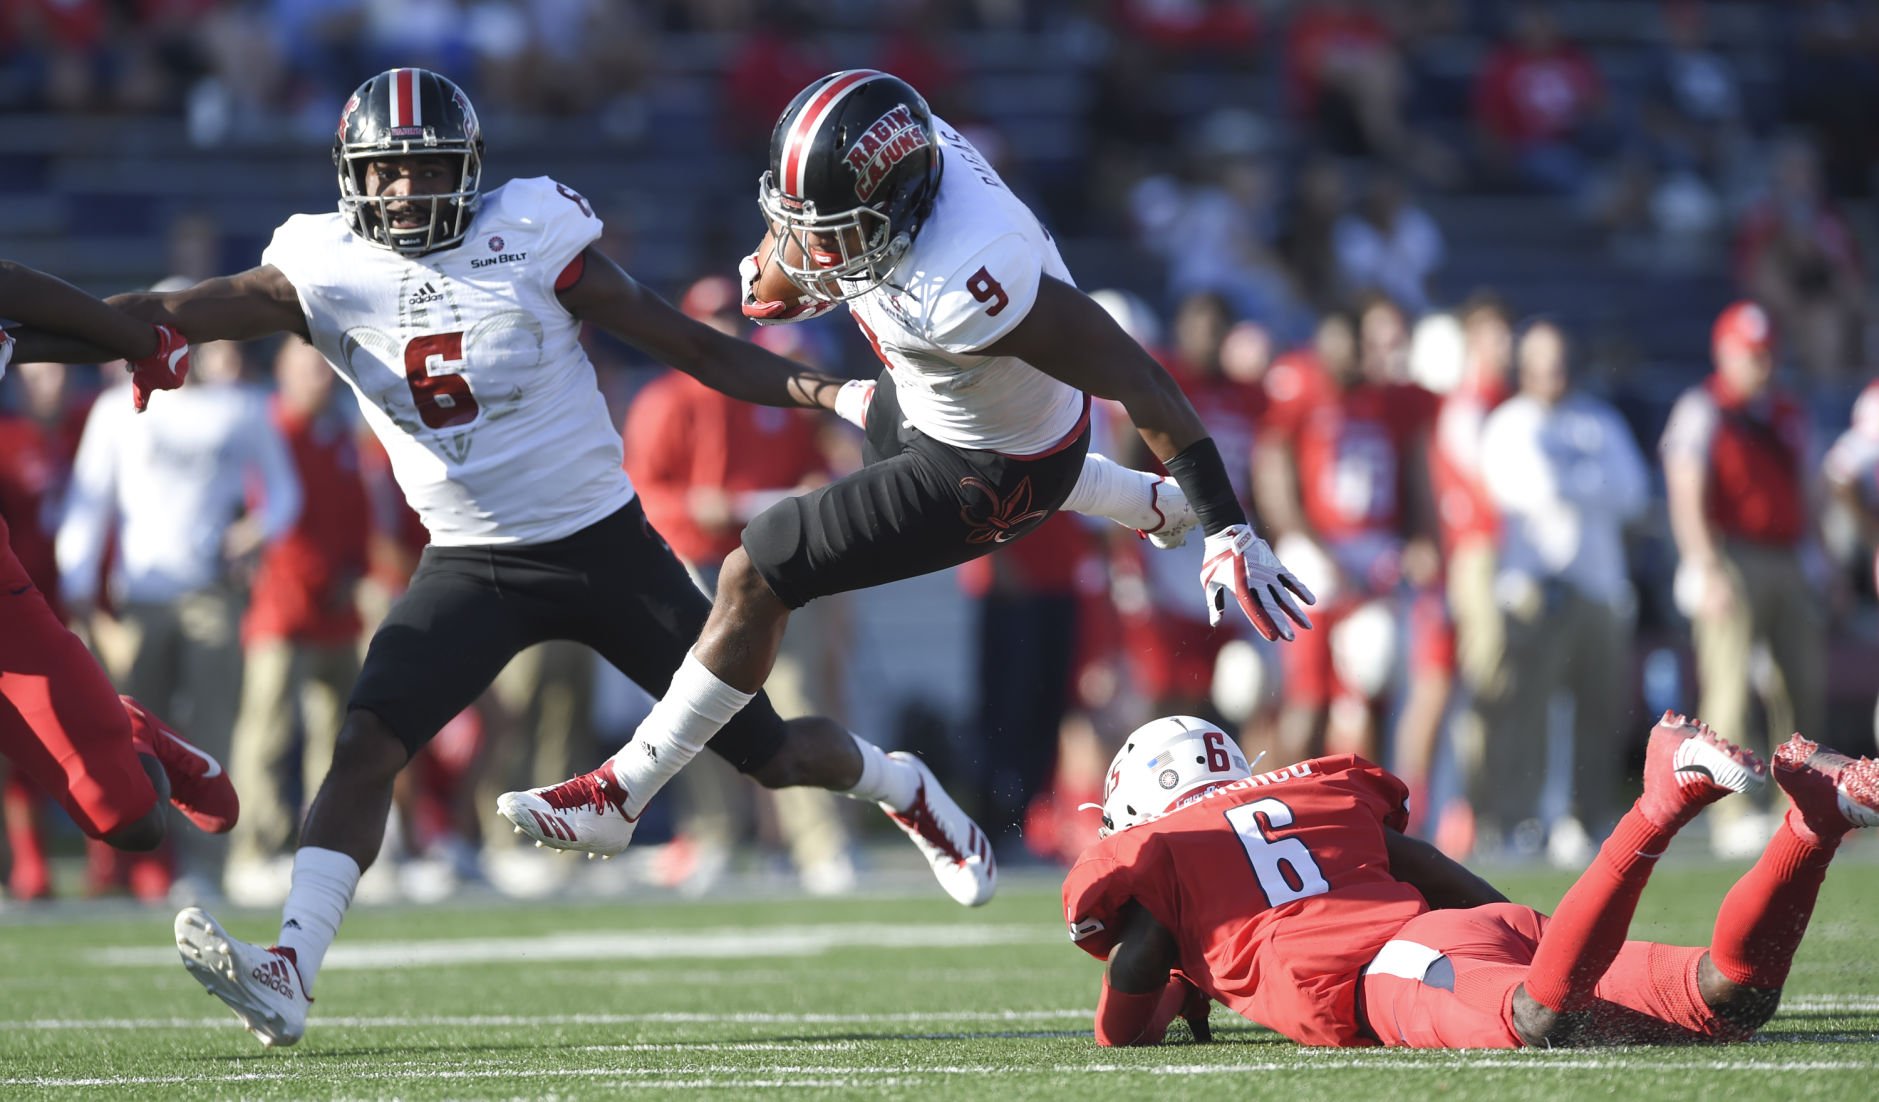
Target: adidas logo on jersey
[(426, 293)]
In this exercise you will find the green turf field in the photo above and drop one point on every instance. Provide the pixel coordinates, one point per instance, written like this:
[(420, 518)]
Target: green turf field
[(901, 996)]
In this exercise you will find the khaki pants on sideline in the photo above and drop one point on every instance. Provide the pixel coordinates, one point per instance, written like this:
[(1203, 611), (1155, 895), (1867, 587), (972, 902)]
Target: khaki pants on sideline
[(1480, 643), (284, 681), (183, 661), (546, 695), (1774, 603), (1558, 641), (811, 821)]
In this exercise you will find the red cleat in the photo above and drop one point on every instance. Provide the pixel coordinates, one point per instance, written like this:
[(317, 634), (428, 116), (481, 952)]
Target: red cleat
[(199, 786), (1832, 793), (1687, 767)]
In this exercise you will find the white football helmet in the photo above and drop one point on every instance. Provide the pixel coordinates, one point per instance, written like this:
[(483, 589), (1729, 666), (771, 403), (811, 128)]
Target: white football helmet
[(1163, 761)]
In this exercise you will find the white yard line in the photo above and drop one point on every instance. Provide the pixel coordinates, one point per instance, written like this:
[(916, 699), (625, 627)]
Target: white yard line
[(808, 1075), (718, 943)]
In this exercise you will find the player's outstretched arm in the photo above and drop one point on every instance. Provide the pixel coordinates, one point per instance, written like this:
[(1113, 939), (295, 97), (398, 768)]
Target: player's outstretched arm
[(606, 296), (61, 324), (1444, 882), (259, 302), (1069, 336)]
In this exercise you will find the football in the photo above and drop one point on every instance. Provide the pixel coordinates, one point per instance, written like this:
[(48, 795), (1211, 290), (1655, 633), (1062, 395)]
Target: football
[(772, 284)]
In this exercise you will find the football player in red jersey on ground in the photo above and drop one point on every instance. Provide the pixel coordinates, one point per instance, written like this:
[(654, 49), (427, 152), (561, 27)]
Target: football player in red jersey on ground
[(1293, 898), (108, 762)]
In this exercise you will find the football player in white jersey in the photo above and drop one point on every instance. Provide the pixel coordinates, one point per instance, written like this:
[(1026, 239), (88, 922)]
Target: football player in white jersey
[(977, 429), (453, 313)]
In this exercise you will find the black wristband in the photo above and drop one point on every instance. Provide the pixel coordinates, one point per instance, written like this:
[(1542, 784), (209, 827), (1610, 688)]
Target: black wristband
[(1203, 478)]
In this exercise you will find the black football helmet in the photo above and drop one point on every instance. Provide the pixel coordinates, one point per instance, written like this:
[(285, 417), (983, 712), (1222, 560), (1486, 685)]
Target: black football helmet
[(408, 113), (854, 151)]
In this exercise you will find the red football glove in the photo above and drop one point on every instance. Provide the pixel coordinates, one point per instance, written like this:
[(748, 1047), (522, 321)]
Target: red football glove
[(164, 369), (1181, 999)]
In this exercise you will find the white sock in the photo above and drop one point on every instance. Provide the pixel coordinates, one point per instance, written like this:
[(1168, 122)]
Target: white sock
[(884, 780), (317, 901), (1108, 489), (695, 708)]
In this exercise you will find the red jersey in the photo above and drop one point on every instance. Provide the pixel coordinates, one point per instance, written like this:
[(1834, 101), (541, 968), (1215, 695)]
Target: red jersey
[(1529, 97), (1756, 453), (31, 469), (1277, 889), (1349, 447), (681, 434), (303, 589), (1465, 511)]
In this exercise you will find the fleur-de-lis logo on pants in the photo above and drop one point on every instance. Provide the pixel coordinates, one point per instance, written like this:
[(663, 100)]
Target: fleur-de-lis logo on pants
[(996, 520)]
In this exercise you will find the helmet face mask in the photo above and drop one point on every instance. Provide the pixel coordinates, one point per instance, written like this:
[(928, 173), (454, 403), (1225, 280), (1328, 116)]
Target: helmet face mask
[(1163, 762), (854, 168), (409, 113)]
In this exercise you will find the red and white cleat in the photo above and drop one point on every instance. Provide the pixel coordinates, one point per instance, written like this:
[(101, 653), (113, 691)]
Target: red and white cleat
[(960, 853), (1832, 793), (585, 815), (199, 786), (1687, 767), (260, 984)]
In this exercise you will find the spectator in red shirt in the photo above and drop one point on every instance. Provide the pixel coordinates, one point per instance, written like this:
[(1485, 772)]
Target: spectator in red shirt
[(1739, 479), (1338, 475), (1537, 102), (300, 634)]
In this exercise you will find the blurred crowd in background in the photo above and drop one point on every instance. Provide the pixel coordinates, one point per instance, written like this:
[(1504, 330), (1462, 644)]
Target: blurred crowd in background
[(1535, 334)]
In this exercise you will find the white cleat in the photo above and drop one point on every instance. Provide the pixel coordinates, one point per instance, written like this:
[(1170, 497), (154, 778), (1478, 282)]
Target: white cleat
[(1177, 516), (260, 984), (954, 845), (586, 815)]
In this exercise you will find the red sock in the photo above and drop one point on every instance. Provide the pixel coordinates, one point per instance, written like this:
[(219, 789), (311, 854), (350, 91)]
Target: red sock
[(1585, 933), (31, 879), (1765, 914)]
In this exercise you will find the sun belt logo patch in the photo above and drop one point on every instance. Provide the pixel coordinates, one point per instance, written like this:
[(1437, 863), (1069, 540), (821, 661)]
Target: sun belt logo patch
[(881, 147)]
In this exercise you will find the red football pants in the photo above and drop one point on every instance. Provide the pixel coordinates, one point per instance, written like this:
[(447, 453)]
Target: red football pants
[(1468, 964), (61, 722)]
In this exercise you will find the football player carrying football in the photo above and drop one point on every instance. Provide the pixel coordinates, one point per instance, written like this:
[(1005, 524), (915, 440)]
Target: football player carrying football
[(1293, 898), (453, 313), (977, 429), (109, 762)]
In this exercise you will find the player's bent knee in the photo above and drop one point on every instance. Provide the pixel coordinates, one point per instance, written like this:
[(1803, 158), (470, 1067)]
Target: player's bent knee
[(742, 585), (367, 749), (810, 755), (141, 835), (1537, 1025), (1743, 1008)]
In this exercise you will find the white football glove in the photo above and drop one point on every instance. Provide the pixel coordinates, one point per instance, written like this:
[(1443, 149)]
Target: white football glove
[(6, 351), (1240, 563)]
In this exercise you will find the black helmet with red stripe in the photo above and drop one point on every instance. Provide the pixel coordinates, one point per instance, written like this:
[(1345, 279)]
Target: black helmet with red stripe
[(408, 113), (854, 167)]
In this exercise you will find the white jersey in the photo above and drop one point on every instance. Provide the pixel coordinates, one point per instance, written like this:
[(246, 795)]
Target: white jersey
[(467, 366), (969, 279)]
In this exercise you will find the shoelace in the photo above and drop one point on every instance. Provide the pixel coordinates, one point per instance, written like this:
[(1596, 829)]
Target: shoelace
[(583, 791)]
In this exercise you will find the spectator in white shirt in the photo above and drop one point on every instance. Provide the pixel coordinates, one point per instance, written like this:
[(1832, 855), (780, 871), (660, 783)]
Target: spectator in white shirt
[(1387, 244), (192, 490), (1567, 475)]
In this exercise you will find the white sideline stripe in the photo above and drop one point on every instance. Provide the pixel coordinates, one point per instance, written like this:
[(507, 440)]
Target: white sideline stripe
[(1844, 1003), (722, 943), (790, 1075)]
